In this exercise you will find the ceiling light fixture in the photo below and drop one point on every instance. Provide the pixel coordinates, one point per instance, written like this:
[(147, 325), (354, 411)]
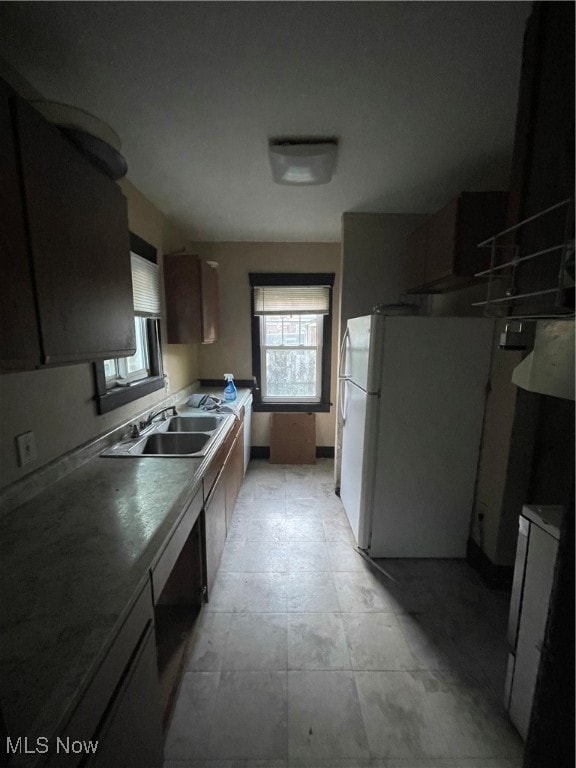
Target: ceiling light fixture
[(302, 161)]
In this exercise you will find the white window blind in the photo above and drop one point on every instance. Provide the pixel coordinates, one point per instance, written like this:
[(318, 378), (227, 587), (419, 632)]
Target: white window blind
[(145, 287), (291, 299)]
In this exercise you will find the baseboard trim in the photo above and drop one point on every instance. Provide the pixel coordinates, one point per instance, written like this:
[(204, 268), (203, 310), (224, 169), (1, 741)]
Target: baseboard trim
[(263, 452), (494, 576)]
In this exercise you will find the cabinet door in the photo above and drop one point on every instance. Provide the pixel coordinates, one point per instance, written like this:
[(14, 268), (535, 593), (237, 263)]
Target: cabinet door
[(480, 215), (183, 298), (131, 735), (210, 303), (215, 531), (19, 341), (416, 257), (78, 229), (234, 473), (441, 243)]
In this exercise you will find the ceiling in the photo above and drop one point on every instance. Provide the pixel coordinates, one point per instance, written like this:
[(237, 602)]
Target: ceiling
[(422, 96)]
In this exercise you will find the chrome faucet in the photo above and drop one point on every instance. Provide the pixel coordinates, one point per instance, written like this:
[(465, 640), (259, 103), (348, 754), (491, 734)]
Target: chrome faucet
[(155, 414)]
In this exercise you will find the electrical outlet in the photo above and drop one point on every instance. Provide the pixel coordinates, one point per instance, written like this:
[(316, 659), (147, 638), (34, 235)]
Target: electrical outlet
[(26, 448)]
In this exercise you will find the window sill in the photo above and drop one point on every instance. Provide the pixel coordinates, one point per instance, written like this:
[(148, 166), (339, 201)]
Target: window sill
[(291, 407), (115, 398)]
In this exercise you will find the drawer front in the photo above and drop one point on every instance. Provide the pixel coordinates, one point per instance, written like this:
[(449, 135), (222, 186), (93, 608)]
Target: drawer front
[(163, 568)]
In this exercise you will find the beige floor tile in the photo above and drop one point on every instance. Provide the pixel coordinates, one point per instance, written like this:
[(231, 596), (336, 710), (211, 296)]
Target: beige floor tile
[(376, 642), (317, 641), (188, 735), (324, 717), (256, 641), (307, 556), (249, 719), (261, 593), (208, 643), (360, 592), (345, 557), (304, 528), (311, 591), (399, 718)]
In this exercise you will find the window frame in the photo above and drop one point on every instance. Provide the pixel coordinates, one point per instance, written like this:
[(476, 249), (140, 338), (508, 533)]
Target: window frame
[(317, 348), (293, 278), (108, 399)]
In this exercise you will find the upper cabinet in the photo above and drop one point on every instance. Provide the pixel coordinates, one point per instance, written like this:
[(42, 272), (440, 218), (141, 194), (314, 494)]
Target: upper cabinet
[(443, 253), (191, 290), (65, 254), (19, 340)]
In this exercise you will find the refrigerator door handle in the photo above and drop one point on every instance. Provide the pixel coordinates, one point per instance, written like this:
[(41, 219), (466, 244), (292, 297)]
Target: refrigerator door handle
[(342, 397), (342, 369)]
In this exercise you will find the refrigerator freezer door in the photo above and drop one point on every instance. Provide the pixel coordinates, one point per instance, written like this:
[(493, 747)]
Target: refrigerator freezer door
[(434, 376), (363, 345)]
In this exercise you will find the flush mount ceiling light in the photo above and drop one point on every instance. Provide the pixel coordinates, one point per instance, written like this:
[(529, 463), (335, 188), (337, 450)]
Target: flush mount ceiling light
[(302, 161)]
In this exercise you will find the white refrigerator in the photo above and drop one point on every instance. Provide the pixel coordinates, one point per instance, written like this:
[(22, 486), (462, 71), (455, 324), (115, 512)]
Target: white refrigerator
[(412, 393)]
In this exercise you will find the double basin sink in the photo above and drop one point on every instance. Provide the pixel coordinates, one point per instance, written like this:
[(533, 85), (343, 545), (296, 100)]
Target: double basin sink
[(189, 436)]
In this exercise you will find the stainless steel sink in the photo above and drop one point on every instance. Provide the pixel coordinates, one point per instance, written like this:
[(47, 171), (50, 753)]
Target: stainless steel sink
[(186, 436), (182, 444), (194, 423)]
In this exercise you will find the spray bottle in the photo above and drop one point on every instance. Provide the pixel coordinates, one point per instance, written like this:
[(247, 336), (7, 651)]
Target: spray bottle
[(230, 390)]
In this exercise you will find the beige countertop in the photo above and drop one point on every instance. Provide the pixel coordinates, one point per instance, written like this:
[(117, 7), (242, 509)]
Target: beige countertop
[(72, 561)]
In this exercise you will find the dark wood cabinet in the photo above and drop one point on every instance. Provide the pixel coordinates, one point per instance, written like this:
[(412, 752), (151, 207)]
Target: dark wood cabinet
[(210, 304), (19, 340), (222, 482), (120, 708), (131, 735), (416, 255), (443, 253), (214, 531), (64, 249), (191, 293), (79, 243), (234, 474)]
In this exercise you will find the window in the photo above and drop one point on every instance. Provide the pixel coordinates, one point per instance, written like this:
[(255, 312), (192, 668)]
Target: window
[(122, 370), (291, 354), (291, 340), (122, 380)]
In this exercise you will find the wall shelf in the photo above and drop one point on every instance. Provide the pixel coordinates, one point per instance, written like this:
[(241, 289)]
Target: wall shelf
[(536, 281)]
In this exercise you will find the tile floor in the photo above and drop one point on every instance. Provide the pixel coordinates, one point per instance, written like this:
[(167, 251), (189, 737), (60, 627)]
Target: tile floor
[(308, 657)]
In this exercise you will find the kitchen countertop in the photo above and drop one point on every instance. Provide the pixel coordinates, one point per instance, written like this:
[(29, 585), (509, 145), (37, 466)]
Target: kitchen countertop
[(72, 562)]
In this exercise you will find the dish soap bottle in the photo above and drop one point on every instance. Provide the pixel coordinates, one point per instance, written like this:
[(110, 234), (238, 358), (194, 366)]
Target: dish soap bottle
[(230, 390)]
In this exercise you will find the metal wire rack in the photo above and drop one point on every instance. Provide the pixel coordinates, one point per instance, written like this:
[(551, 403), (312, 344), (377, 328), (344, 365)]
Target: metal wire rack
[(555, 298)]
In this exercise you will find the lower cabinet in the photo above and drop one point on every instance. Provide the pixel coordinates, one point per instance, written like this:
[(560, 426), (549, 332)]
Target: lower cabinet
[(131, 734), (228, 469), (120, 708), (234, 470), (215, 530)]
